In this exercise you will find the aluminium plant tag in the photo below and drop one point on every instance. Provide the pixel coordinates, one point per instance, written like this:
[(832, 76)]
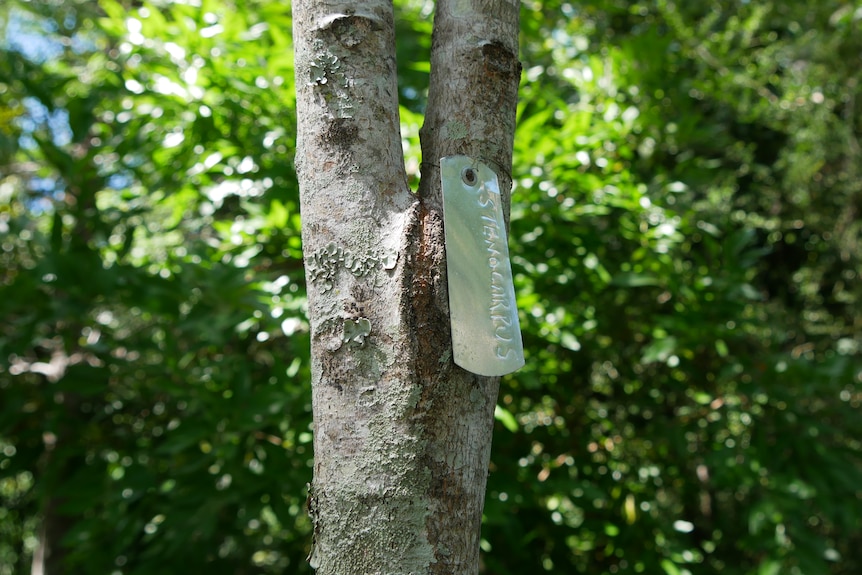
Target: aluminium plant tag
[(486, 335)]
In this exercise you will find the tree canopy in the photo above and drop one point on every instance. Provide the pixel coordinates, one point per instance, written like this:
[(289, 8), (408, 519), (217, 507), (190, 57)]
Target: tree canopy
[(685, 237)]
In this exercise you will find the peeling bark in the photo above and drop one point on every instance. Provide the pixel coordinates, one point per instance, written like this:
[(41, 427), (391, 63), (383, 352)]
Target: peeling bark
[(402, 435)]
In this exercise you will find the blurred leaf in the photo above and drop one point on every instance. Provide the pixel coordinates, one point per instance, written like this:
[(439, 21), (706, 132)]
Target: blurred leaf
[(506, 418), (631, 279)]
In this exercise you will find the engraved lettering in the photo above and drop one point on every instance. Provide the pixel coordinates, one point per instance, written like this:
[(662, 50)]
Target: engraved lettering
[(485, 340), (503, 351), (502, 334), (497, 279), (500, 309), (486, 199)]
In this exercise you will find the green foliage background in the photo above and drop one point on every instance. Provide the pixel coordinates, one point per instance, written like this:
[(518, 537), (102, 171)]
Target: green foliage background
[(686, 244)]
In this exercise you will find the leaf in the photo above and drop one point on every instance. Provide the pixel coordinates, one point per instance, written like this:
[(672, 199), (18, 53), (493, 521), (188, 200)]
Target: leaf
[(747, 291), (569, 341), (659, 350), (769, 568), (633, 279), (670, 568), (278, 215), (505, 417), (737, 241)]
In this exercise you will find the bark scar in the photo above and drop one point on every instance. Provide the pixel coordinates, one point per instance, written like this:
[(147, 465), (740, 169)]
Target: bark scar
[(350, 29), (429, 306), (499, 60)]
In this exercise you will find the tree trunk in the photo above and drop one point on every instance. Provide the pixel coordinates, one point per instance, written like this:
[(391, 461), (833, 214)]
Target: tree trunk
[(50, 555), (402, 435)]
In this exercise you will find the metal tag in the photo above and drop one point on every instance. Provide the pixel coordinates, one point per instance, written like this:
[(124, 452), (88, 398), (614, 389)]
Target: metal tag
[(486, 335)]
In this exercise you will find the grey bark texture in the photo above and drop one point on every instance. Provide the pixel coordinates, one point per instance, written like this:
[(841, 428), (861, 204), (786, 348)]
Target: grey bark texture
[(402, 436)]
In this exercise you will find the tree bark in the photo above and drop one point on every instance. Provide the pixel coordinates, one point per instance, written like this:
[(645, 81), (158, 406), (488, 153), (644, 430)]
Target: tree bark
[(402, 435), (50, 555)]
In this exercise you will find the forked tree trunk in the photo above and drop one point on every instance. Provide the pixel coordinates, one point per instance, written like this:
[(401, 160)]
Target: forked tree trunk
[(402, 435)]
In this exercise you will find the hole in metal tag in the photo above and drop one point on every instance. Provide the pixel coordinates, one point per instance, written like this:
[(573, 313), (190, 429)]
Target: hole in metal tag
[(486, 335)]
